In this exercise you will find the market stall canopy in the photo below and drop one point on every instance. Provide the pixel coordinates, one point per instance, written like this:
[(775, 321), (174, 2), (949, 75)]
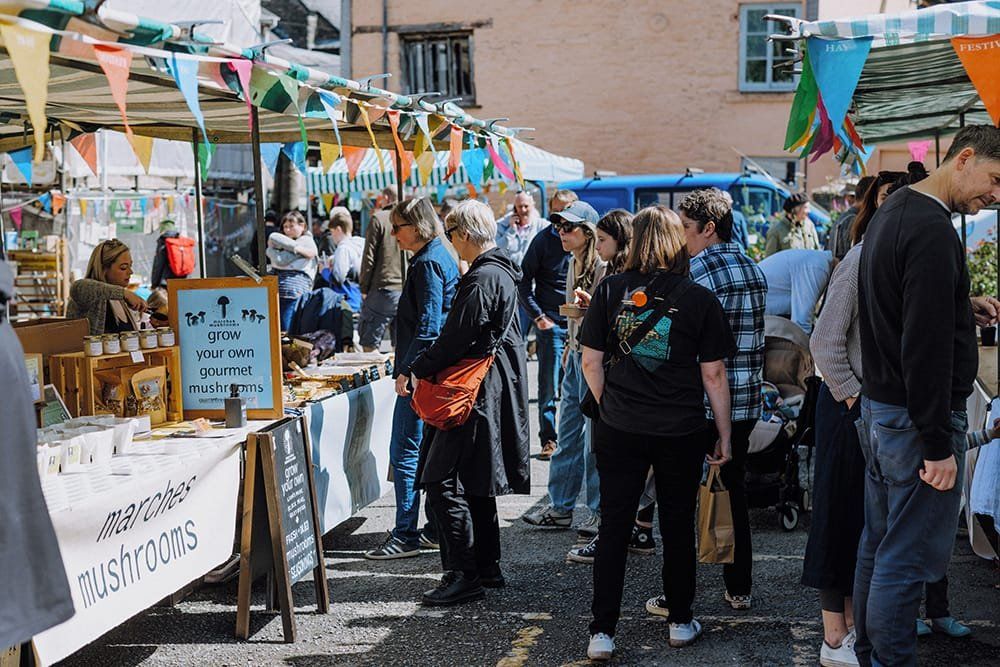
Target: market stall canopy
[(289, 98), (536, 165), (913, 84)]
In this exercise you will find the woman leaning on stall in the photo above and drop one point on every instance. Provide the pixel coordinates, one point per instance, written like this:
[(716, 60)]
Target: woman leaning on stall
[(464, 469), (102, 295), (651, 399)]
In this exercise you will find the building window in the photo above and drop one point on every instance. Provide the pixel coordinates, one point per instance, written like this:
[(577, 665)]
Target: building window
[(441, 63), (758, 57), (781, 168)]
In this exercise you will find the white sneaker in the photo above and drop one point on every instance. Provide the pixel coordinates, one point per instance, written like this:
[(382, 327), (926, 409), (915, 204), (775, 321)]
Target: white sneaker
[(682, 634), (549, 517), (842, 656), (601, 647)]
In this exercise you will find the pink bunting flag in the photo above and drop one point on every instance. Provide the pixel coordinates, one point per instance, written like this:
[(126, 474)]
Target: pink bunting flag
[(243, 68), (15, 215), (918, 149), (498, 162)]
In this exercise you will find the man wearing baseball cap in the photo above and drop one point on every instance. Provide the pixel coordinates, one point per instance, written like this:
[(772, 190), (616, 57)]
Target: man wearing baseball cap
[(794, 230)]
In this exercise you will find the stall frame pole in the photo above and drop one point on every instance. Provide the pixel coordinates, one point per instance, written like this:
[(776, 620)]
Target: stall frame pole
[(258, 190), (199, 216), (937, 149), (399, 176)]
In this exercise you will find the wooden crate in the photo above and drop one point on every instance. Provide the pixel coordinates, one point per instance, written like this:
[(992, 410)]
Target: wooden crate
[(42, 281), (73, 375)]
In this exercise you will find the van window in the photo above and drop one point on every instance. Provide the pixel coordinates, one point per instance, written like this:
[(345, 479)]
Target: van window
[(757, 202), (604, 200), (670, 198)]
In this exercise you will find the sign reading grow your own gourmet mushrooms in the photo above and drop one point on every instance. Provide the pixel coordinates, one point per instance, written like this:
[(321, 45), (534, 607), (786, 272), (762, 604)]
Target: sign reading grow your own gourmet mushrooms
[(227, 330)]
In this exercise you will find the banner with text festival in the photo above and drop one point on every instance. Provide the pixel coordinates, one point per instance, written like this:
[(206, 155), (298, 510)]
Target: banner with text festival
[(125, 551)]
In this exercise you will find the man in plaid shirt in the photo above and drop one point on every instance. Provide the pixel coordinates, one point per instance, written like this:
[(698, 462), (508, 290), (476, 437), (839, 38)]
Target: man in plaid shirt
[(720, 265)]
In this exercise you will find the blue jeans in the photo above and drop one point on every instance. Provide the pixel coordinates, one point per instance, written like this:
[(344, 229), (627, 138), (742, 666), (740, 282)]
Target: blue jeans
[(524, 319), (909, 532), (404, 451), (574, 458), (550, 346), (377, 311), (286, 310)]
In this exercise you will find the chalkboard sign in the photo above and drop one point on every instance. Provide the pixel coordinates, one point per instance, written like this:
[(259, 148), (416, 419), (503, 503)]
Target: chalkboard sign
[(228, 333), (279, 460)]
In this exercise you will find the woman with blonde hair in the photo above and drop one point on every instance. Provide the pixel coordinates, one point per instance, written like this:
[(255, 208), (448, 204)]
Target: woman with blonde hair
[(654, 344), (102, 296)]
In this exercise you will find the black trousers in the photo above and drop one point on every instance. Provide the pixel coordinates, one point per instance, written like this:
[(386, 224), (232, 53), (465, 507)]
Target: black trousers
[(623, 461), (936, 603), (738, 575), (468, 528)]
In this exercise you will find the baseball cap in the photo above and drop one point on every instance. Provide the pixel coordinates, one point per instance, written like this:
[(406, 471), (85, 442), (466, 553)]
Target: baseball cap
[(579, 212)]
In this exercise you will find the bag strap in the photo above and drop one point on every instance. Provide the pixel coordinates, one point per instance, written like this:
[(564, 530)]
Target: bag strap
[(510, 323), (662, 308)]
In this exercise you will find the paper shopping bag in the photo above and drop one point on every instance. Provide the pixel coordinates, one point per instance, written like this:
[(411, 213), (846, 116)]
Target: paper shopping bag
[(716, 536)]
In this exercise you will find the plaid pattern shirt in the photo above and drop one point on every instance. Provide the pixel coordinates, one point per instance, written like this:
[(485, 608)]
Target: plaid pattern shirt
[(741, 289)]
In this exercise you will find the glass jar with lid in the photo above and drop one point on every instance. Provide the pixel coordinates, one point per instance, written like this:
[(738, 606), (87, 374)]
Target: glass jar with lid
[(112, 344)]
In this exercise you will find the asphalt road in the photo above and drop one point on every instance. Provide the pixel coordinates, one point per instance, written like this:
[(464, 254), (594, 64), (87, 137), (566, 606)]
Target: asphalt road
[(540, 618)]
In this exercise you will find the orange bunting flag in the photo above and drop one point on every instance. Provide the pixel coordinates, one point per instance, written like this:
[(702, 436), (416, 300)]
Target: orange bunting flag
[(116, 63), (454, 152), (29, 52), (376, 113), (86, 146), (405, 157), (58, 202), (472, 190), (353, 155), (371, 135), (980, 57)]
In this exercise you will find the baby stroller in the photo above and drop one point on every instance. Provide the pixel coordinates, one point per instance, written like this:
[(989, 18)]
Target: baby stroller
[(773, 477)]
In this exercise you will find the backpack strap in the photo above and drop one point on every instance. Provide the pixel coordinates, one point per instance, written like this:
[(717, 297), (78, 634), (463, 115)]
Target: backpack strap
[(663, 306)]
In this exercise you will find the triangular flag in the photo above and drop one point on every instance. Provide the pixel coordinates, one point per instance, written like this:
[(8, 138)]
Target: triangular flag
[(328, 154), (376, 113), (22, 160), (58, 202), (423, 140), (157, 201), (185, 73), (330, 102), (296, 152), (205, 154), (142, 146), (455, 151), (46, 201), (502, 187), (823, 142), (29, 51), (980, 57), (86, 146), (116, 63), (473, 161), (837, 65), (368, 126), (472, 190), (292, 87), (83, 208), (918, 149), (269, 154), (404, 157), (801, 117), (425, 165), (442, 192), (243, 69), (513, 160), (353, 155), (143, 203), (15, 216), (128, 207), (327, 198), (487, 170), (498, 161)]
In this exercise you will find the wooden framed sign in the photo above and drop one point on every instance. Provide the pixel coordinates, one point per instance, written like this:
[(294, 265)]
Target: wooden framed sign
[(228, 333), (280, 535)]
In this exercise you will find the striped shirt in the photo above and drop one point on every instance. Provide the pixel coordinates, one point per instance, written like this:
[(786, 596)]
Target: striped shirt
[(741, 288)]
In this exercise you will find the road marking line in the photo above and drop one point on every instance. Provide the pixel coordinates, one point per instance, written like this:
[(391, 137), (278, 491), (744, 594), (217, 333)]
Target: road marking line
[(524, 640)]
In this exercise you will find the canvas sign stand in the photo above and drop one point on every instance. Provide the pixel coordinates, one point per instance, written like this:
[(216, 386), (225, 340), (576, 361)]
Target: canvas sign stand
[(281, 528)]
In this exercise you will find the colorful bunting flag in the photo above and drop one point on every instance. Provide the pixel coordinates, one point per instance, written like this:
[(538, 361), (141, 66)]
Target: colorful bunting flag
[(243, 69), (454, 151), (83, 208), (837, 65), (29, 51), (86, 146), (142, 146), (269, 154), (513, 161), (498, 161), (472, 190), (802, 116), (980, 57), (919, 149), (442, 192), (46, 201), (15, 216), (185, 73), (296, 153), (425, 165), (404, 157), (473, 161), (423, 140), (371, 134), (58, 202), (117, 63), (22, 160), (328, 154), (353, 155), (205, 154), (330, 102)]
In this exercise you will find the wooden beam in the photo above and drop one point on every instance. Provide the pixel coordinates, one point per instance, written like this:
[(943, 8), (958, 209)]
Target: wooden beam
[(411, 28)]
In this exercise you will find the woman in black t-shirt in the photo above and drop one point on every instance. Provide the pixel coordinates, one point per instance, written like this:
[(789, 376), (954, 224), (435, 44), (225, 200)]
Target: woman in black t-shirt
[(650, 394)]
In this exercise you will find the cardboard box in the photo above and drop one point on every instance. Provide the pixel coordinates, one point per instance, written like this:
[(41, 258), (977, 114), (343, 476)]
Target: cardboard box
[(49, 336)]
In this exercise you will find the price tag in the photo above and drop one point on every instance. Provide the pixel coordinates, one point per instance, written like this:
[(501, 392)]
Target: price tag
[(137, 357)]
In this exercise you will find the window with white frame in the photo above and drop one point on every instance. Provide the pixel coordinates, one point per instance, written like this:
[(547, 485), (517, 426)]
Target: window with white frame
[(440, 62), (758, 57)]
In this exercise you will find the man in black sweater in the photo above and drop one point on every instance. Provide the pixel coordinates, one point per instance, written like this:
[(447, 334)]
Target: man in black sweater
[(919, 354)]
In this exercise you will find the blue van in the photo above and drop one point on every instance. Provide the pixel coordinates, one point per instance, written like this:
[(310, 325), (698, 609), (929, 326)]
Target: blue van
[(756, 194)]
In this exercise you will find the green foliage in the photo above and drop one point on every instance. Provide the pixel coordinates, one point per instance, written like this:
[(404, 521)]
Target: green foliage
[(983, 269)]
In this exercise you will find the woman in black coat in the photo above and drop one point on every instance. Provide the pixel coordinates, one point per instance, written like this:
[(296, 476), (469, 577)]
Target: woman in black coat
[(465, 468)]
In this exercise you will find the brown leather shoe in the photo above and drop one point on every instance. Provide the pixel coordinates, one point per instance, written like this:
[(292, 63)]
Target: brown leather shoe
[(548, 449)]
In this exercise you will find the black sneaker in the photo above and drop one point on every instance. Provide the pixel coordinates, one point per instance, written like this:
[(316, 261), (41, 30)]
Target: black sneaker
[(455, 587), (585, 554), (392, 548), (428, 542), (642, 541)]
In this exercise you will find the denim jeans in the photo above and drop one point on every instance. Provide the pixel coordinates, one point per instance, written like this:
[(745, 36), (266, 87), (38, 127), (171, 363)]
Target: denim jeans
[(286, 311), (909, 532), (550, 347), (377, 311), (574, 459), (404, 451)]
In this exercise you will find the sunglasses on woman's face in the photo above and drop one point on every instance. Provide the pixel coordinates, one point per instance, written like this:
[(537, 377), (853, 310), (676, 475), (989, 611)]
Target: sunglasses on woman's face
[(449, 232), (565, 226), (396, 228)]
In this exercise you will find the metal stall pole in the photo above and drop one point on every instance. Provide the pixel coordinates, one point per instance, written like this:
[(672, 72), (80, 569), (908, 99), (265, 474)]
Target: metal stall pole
[(937, 149), (258, 191), (199, 216), (399, 176)]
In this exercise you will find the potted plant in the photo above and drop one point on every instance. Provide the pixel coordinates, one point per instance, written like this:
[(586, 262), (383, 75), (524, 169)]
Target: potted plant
[(983, 280)]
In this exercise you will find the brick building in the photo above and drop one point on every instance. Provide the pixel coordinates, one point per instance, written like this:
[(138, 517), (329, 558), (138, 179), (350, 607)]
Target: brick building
[(632, 86)]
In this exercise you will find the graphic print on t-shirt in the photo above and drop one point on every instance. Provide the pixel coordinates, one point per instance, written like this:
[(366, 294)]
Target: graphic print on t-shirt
[(654, 348)]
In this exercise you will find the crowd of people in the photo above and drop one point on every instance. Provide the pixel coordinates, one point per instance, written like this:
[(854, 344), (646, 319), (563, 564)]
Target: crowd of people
[(649, 331)]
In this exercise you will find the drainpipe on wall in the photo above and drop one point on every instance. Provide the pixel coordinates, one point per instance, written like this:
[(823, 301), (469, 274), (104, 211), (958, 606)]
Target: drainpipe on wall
[(346, 36), (385, 35)]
